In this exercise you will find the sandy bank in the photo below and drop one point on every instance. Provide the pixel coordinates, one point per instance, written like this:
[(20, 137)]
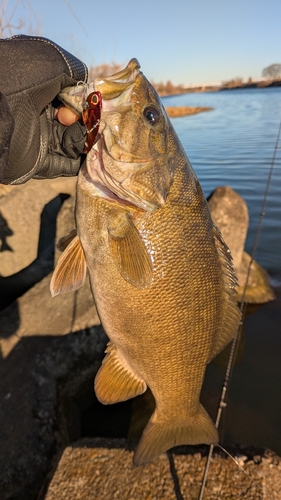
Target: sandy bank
[(174, 112)]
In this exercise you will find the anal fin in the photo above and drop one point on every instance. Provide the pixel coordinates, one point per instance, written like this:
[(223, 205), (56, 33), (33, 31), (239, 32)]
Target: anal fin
[(116, 382)]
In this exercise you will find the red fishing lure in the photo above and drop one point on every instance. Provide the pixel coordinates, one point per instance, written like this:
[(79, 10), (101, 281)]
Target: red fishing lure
[(91, 118)]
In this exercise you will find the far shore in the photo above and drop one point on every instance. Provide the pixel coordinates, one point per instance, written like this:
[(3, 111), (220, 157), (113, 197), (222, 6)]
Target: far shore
[(231, 85), (177, 111)]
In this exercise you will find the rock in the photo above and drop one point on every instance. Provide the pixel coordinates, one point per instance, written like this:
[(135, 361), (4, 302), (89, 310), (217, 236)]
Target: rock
[(37, 313), (34, 381), (62, 184), (230, 213), (13, 286), (258, 290), (95, 469), (21, 207), (39, 382), (5, 189), (65, 222), (27, 233)]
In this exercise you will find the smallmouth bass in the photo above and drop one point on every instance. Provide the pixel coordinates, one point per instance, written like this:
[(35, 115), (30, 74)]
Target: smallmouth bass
[(160, 272)]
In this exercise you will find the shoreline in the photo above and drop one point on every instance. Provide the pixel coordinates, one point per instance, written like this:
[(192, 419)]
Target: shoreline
[(254, 85), (178, 111), (263, 84)]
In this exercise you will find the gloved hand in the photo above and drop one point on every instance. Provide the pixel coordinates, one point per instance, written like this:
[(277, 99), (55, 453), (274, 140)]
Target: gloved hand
[(32, 142)]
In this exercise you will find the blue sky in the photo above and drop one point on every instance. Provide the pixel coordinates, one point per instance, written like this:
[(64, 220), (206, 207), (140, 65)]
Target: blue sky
[(185, 41)]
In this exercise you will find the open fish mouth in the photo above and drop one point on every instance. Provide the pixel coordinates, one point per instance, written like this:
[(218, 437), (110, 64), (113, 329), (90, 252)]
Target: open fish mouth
[(111, 87), (120, 187), (113, 150), (111, 166), (116, 171)]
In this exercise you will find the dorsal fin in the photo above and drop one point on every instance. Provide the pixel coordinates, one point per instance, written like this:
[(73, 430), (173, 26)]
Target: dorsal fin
[(231, 312), (71, 269)]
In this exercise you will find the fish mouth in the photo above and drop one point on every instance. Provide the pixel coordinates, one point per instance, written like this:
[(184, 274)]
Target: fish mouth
[(111, 87), (117, 173), (122, 186)]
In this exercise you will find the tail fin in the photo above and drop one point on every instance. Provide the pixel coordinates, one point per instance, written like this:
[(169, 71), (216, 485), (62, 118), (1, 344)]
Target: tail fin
[(159, 437)]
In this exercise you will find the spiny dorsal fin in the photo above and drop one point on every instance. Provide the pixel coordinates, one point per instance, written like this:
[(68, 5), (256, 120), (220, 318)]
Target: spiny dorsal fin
[(71, 269), (116, 382), (231, 312), (129, 251), (65, 240)]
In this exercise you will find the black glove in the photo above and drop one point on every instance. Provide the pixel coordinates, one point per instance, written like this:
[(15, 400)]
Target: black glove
[(32, 142)]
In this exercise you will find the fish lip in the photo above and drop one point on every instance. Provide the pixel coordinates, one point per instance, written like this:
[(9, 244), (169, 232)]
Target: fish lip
[(114, 85), (128, 73)]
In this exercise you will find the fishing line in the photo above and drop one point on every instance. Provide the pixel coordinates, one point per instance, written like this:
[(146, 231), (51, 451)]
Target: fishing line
[(234, 345), (240, 467)]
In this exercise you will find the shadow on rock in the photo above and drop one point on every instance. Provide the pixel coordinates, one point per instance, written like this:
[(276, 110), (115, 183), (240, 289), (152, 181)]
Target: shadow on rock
[(12, 287)]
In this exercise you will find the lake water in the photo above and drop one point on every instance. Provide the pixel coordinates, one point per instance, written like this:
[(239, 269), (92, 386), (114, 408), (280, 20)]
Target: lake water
[(234, 145)]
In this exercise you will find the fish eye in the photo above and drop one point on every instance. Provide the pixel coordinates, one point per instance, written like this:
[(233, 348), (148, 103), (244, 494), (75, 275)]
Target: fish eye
[(152, 115)]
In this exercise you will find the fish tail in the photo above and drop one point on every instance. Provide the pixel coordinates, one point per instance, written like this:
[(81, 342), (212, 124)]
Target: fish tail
[(159, 437)]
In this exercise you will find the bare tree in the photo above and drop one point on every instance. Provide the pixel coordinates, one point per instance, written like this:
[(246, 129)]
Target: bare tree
[(271, 72), (9, 25)]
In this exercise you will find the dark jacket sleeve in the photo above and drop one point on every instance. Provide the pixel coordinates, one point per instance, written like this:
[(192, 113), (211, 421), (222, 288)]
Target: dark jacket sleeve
[(32, 142)]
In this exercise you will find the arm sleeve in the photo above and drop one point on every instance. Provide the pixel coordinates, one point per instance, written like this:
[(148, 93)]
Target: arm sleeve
[(32, 142)]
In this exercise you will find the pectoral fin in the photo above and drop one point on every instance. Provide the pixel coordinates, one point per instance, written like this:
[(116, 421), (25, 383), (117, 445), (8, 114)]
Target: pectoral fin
[(71, 269), (129, 251), (116, 382)]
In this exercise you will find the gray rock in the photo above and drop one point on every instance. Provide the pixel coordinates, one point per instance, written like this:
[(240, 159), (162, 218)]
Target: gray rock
[(37, 313), (5, 189), (230, 213), (27, 232), (34, 380), (22, 208)]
